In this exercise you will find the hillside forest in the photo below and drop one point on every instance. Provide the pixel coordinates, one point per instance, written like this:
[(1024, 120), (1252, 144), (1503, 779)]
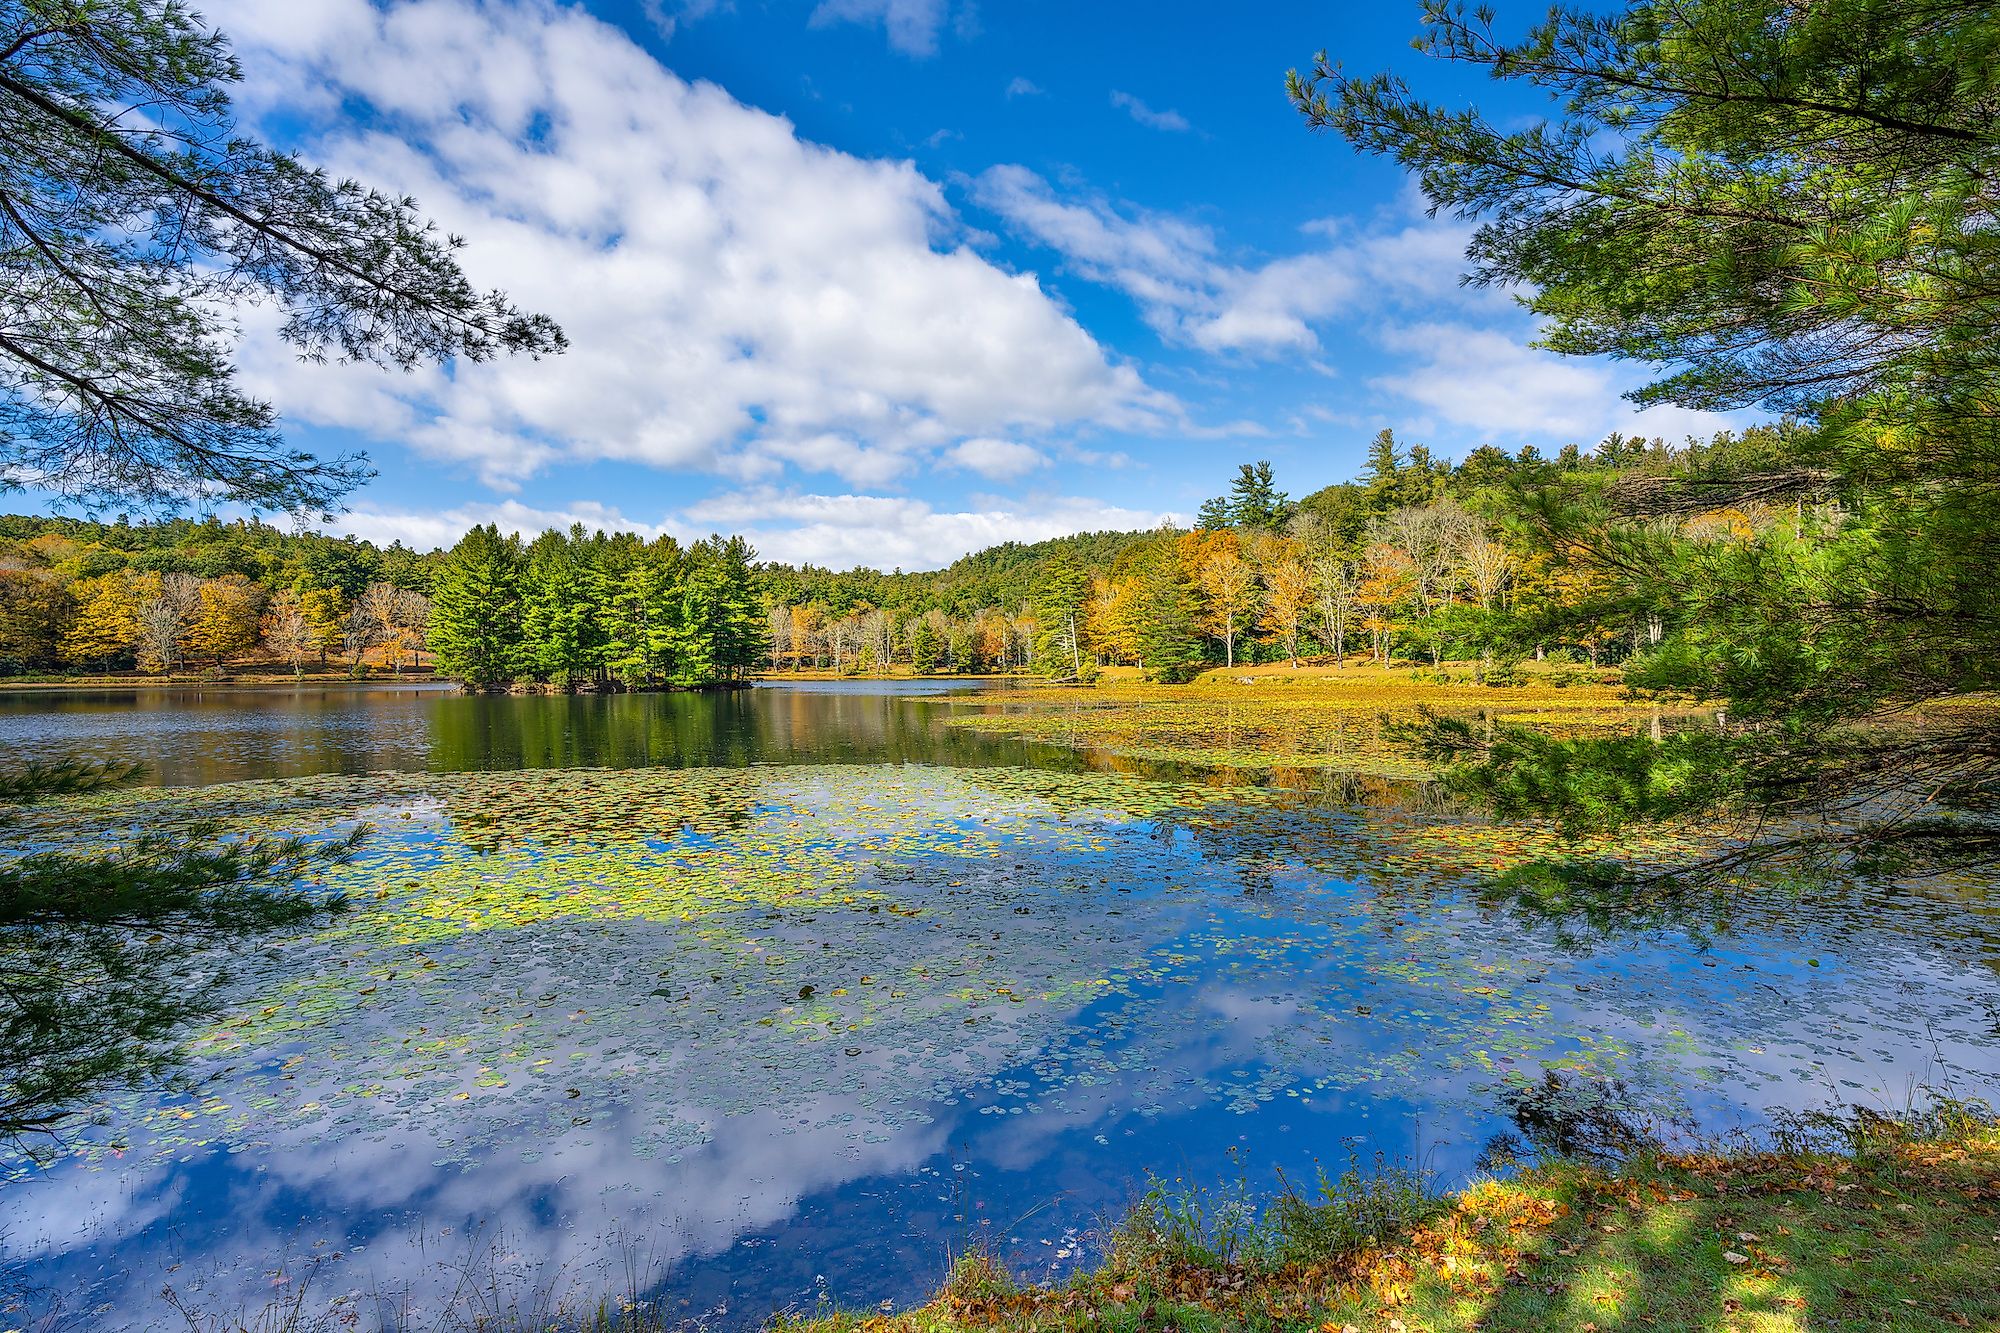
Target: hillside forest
[(1419, 559)]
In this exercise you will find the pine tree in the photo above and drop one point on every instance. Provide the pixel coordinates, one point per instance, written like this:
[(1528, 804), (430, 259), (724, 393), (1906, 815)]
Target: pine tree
[(743, 635), (1164, 610), (926, 648), (1785, 207), (137, 212), (1060, 607), (560, 617), (475, 631), (1255, 502), (644, 630), (1382, 475)]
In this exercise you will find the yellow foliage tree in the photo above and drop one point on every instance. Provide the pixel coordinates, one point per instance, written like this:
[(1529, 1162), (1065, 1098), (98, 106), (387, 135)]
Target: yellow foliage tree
[(325, 613), (107, 618), (1227, 582), (1289, 594), (227, 618), (1388, 580)]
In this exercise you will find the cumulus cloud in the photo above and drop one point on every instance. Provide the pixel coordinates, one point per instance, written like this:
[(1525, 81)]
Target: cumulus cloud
[(841, 531), (1023, 87), (999, 459), (737, 299), (1190, 294), (899, 532), (1497, 384), (1171, 121)]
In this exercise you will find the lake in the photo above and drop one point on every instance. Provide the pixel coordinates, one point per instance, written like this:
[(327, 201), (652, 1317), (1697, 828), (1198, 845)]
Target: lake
[(744, 1002)]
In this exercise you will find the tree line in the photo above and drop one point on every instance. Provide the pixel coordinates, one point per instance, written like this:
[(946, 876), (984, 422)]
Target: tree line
[(1420, 559), (84, 596), (590, 610)]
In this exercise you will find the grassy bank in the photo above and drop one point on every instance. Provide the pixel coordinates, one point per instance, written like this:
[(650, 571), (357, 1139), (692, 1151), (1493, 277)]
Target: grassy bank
[(1305, 718), (1892, 1228)]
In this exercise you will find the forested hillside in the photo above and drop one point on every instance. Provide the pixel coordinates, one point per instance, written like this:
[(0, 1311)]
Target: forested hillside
[(1419, 559)]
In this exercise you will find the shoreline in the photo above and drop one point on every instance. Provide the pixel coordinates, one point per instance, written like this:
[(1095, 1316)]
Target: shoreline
[(1822, 1228), (246, 683)]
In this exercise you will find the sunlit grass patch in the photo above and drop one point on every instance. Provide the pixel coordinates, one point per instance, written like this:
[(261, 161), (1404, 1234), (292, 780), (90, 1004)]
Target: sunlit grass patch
[(1902, 1232), (1324, 720)]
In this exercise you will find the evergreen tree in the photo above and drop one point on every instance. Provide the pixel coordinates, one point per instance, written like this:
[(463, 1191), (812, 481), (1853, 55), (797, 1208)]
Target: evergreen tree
[(1787, 207), (561, 621), (1214, 515), (1164, 608), (475, 629), (1382, 475), (1059, 615), (137, 213), (646, 609), (743, 633), (720, 623), (1255, 502), (926, 648)]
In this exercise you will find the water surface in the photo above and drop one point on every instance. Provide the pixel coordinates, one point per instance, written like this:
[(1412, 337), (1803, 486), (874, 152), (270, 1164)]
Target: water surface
[(793, 991)]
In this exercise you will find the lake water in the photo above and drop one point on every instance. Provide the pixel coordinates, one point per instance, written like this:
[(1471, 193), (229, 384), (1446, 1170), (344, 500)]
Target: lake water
[(742, 1002)]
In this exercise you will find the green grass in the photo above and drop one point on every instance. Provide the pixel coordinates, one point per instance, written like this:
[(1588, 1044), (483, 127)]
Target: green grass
[(1892, 1229), (1311, 719)]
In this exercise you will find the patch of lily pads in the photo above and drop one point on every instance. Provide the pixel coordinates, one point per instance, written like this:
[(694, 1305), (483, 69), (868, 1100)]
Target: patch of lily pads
[(534, 957)]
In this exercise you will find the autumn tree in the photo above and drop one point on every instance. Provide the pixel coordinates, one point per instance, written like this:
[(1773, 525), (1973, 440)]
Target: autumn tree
[(325, 613), (287, 636), (1289, 595), (1228, 586), (164, 616), (227, 618), (107, 620), (35, 610), (778, 635), (1386, 583)]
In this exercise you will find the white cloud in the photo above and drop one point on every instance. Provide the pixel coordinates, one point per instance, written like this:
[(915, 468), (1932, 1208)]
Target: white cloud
[(1497, 384), (1024, 87), (736, 299), (913, 25), (1172, 121), (1193, 296), (884, 532), (999, 459), (840, 531)]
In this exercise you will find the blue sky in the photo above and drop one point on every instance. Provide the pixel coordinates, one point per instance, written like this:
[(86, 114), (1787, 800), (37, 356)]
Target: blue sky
[(885, 281)]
